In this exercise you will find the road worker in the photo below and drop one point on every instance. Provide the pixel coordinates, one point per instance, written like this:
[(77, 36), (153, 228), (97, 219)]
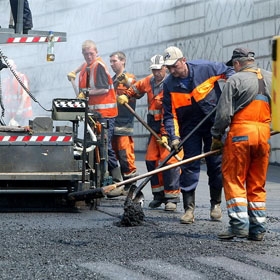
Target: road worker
[(102, 97), (16, 101), (244, 106), (122, 142), (191, 91), (165, 185)]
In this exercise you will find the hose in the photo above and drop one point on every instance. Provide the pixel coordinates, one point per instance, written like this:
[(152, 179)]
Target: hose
[(20, 81)]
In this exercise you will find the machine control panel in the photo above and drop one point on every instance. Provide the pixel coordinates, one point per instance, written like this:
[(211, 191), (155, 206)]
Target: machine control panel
[(68, 109)]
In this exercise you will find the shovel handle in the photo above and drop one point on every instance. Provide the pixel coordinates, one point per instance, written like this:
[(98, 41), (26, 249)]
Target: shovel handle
[(149, 128), (170, 166), (74, 87), (164, 168)]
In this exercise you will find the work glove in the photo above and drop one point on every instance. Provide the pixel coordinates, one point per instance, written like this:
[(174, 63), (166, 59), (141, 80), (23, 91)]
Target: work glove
[(163, 140), (71, 75), (122, 79), (125, 80), (81, 95), (122, 99), (175, 145), (217, 144)]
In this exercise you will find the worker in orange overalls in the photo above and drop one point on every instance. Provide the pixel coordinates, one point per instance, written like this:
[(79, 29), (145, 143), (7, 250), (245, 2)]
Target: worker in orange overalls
[(165, 185), (123, 143), (244, 106), (17, 102), (102, 98)]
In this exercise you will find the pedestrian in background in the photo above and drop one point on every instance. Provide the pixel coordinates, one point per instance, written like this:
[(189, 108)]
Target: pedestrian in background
[(244, 106), (191, 92), (165, 185), (17, 102)]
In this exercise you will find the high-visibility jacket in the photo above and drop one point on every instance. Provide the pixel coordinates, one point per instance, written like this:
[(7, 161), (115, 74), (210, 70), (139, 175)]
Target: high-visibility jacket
[(234, 98), (154, 95), (200, 91), (16, 101), (124, 122), (105, 104)]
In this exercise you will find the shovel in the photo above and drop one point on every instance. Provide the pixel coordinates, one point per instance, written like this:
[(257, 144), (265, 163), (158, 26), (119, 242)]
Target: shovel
[(101, 192)]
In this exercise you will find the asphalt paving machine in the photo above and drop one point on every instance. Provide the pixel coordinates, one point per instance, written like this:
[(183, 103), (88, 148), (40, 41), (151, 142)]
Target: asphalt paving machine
[(47, 159), (41, 159)]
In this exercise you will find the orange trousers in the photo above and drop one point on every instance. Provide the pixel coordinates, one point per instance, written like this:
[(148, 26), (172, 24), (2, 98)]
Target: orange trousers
[(124, 149), (167, 182)]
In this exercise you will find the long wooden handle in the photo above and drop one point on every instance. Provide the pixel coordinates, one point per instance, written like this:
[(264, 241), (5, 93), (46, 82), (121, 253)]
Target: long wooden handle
[(74, 87), (170, 166), (149, 128)]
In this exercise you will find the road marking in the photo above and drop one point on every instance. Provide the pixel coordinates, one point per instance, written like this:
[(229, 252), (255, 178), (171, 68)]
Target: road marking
[(114, 271), (170, 271), (238, 268)]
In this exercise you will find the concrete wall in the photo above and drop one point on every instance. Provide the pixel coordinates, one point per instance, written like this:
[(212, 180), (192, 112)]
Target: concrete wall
[(208, 29)]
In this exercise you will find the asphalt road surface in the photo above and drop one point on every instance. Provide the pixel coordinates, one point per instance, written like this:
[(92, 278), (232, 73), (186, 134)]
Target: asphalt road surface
[(88, 244)]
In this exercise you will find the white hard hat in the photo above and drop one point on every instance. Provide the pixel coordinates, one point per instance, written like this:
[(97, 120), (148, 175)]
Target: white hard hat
[(156, 62)]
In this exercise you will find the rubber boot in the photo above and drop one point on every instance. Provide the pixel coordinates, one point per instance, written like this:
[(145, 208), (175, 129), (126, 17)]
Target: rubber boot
[(189, 205), (215, 210), (117, 177), (158, 200)]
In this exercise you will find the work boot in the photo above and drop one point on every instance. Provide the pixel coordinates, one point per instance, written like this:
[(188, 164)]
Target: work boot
[(215, 210), (230, 234), (130, 175), (170, 206), (256, 237), (155, 203), (116, 175), (116, 192), (189, 205), (158, 200)]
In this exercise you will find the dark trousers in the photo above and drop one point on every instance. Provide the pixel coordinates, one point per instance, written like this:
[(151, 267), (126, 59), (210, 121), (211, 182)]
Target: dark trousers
[(27, 15)]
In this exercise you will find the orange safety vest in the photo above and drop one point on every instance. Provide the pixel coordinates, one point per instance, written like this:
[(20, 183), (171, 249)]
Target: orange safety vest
[(13, 95), (105, 104)]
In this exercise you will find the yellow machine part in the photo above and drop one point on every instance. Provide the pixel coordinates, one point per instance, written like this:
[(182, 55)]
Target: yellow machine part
[(276, 83)]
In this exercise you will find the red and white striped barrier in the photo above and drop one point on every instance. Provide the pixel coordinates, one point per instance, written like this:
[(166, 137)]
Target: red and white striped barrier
[(37, 138), (29, 39)]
